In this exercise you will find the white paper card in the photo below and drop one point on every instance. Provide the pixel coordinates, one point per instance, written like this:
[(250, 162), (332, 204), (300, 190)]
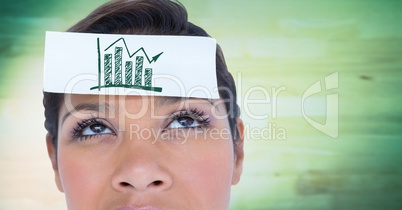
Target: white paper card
[(83, 63)]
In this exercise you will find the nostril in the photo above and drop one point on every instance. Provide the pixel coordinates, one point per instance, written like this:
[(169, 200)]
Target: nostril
[(157, 182), (154, 183), (124, 184)]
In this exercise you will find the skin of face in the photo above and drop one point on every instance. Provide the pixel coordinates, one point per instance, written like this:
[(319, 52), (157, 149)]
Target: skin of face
[(133, 152)]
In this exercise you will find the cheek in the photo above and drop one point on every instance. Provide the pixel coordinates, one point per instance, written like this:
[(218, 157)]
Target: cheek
[(81, 180), (210, 176)]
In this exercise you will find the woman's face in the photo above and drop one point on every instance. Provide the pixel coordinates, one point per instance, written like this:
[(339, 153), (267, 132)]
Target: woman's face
[(133, 152)]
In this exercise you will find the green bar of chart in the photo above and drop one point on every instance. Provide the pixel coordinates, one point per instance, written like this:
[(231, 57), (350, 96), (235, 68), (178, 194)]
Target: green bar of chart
[(138, 70), (108, 69), (129, 72), (118, 65), (148, 77)]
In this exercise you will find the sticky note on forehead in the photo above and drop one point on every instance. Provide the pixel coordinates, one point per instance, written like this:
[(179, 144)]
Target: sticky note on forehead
[(109, 64)]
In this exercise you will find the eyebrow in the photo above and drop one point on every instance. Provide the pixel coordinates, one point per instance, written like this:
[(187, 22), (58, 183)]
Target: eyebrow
[(165, 101), (87, 106)]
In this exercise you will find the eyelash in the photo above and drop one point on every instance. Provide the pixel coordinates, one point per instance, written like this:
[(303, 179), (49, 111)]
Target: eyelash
[(81, 125), (195, 114)]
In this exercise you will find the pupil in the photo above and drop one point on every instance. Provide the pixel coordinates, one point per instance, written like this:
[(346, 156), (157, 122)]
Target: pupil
[(185, 121), (97, 128)]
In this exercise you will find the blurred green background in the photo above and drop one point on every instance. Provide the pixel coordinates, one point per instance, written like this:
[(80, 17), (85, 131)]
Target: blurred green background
[(268, 44)]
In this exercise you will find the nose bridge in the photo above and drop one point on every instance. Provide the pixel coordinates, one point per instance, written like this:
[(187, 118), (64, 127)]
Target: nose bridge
[(140, 167), (140, 131)]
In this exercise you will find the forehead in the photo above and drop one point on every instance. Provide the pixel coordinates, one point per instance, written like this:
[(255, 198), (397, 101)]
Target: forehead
[(75, 99), (76, 102)]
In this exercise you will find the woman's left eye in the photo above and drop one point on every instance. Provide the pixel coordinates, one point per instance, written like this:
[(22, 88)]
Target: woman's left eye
[(188, 119), (184, 122), (96, 129)]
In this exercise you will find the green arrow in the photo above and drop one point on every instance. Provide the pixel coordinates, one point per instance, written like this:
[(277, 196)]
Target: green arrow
[(154, 58)]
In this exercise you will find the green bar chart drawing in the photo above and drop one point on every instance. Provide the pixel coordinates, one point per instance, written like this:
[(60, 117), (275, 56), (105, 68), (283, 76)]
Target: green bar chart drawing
[(108, 69), (118, 66), (148, 77), (138, 70), (129, 72), (142, 77)]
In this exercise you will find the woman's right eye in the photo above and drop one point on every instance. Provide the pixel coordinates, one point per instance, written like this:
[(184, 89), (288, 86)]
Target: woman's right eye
[(96, 129), (91, 128)]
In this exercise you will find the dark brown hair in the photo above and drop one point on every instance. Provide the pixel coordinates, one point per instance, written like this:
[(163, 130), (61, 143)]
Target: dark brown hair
[(146, 17)]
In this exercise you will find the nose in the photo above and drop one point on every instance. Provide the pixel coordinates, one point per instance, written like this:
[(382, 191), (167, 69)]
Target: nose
[(141, 170)]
